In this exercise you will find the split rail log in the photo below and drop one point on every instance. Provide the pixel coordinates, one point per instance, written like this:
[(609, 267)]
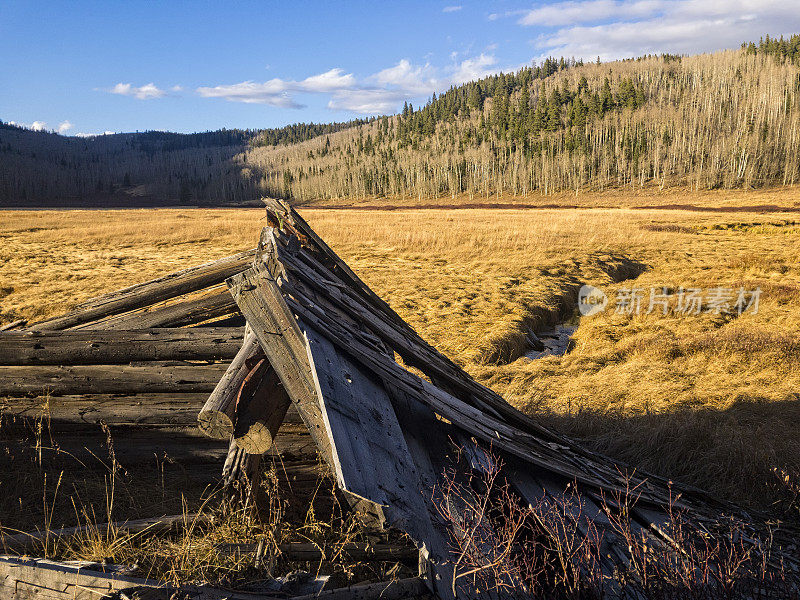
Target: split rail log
[(25, 542), (217, 415), (178, 314), (109, 379), (260, 409), (86, 411), (151, 292), (102, 347)]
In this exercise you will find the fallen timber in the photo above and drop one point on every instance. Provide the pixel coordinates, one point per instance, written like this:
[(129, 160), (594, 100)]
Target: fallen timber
[(24, 579)]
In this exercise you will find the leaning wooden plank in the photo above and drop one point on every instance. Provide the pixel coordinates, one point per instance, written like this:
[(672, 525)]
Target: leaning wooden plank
[(108, 379), (260, 409), (217, 415), (178, 314), (397, 589), (117, 347), (25, 542), (150, 292), (277, 331), (371, 454)]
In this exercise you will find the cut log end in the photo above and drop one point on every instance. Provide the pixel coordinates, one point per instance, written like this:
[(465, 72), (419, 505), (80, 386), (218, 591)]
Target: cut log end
[(215, 424), (257, 440)]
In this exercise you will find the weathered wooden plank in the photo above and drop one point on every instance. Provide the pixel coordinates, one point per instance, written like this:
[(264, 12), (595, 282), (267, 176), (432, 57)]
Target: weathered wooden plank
[(108, 379), (151, 292), (37, 578), (178, 314), (117, 347), (485, 427), (14, 325), (277, 331), (217, 415), (371, 453)]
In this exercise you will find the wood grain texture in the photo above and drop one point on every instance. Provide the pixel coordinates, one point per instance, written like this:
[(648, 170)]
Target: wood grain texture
[(118, 347), (109, 379)]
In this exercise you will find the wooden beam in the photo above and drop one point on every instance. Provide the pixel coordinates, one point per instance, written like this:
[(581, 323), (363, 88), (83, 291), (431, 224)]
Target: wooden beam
[(86, 411), (100, 347), (108, 379), (151, 292)]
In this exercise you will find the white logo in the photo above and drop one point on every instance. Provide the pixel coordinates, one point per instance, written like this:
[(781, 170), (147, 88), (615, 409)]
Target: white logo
[(591, 300)]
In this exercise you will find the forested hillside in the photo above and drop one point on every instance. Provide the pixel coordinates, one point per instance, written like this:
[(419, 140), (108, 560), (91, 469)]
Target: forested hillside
[(152, 167), (728, 119)]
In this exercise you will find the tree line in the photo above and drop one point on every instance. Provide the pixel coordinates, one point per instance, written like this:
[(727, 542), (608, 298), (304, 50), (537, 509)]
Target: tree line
[(728, 119)]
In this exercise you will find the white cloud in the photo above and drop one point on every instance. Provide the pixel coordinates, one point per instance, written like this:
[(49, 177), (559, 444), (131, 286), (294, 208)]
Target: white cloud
[(451, 9), (144, 92), (64, 127), (615, 29), (379, 93), (367, 102), (587, 11), (273, 92), (38, 125), (329, 81), (414, 81), (474, 68)]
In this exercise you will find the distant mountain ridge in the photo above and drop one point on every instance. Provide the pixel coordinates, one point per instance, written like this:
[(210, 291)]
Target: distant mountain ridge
[(723, 120)]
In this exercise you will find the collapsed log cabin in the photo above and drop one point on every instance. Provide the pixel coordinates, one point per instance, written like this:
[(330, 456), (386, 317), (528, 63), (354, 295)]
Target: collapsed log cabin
[(385, 410)]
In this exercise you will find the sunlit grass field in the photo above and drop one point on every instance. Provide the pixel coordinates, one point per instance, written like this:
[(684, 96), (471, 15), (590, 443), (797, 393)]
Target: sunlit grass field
[(712, 399)]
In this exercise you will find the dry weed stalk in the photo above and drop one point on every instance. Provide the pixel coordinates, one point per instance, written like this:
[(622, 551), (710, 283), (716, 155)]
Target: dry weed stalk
[(555, 548)]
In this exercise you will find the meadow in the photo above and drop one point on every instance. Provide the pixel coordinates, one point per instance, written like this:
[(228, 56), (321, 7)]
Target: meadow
[(711, 398)]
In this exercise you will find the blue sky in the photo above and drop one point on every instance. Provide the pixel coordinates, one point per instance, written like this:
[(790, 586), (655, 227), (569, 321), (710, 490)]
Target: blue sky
[(90, 67)]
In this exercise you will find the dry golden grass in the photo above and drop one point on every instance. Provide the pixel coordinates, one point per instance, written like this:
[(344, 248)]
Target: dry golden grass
[(711, 400)]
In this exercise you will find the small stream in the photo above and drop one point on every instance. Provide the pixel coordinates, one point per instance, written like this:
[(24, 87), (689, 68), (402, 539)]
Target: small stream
[(550, 342)]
